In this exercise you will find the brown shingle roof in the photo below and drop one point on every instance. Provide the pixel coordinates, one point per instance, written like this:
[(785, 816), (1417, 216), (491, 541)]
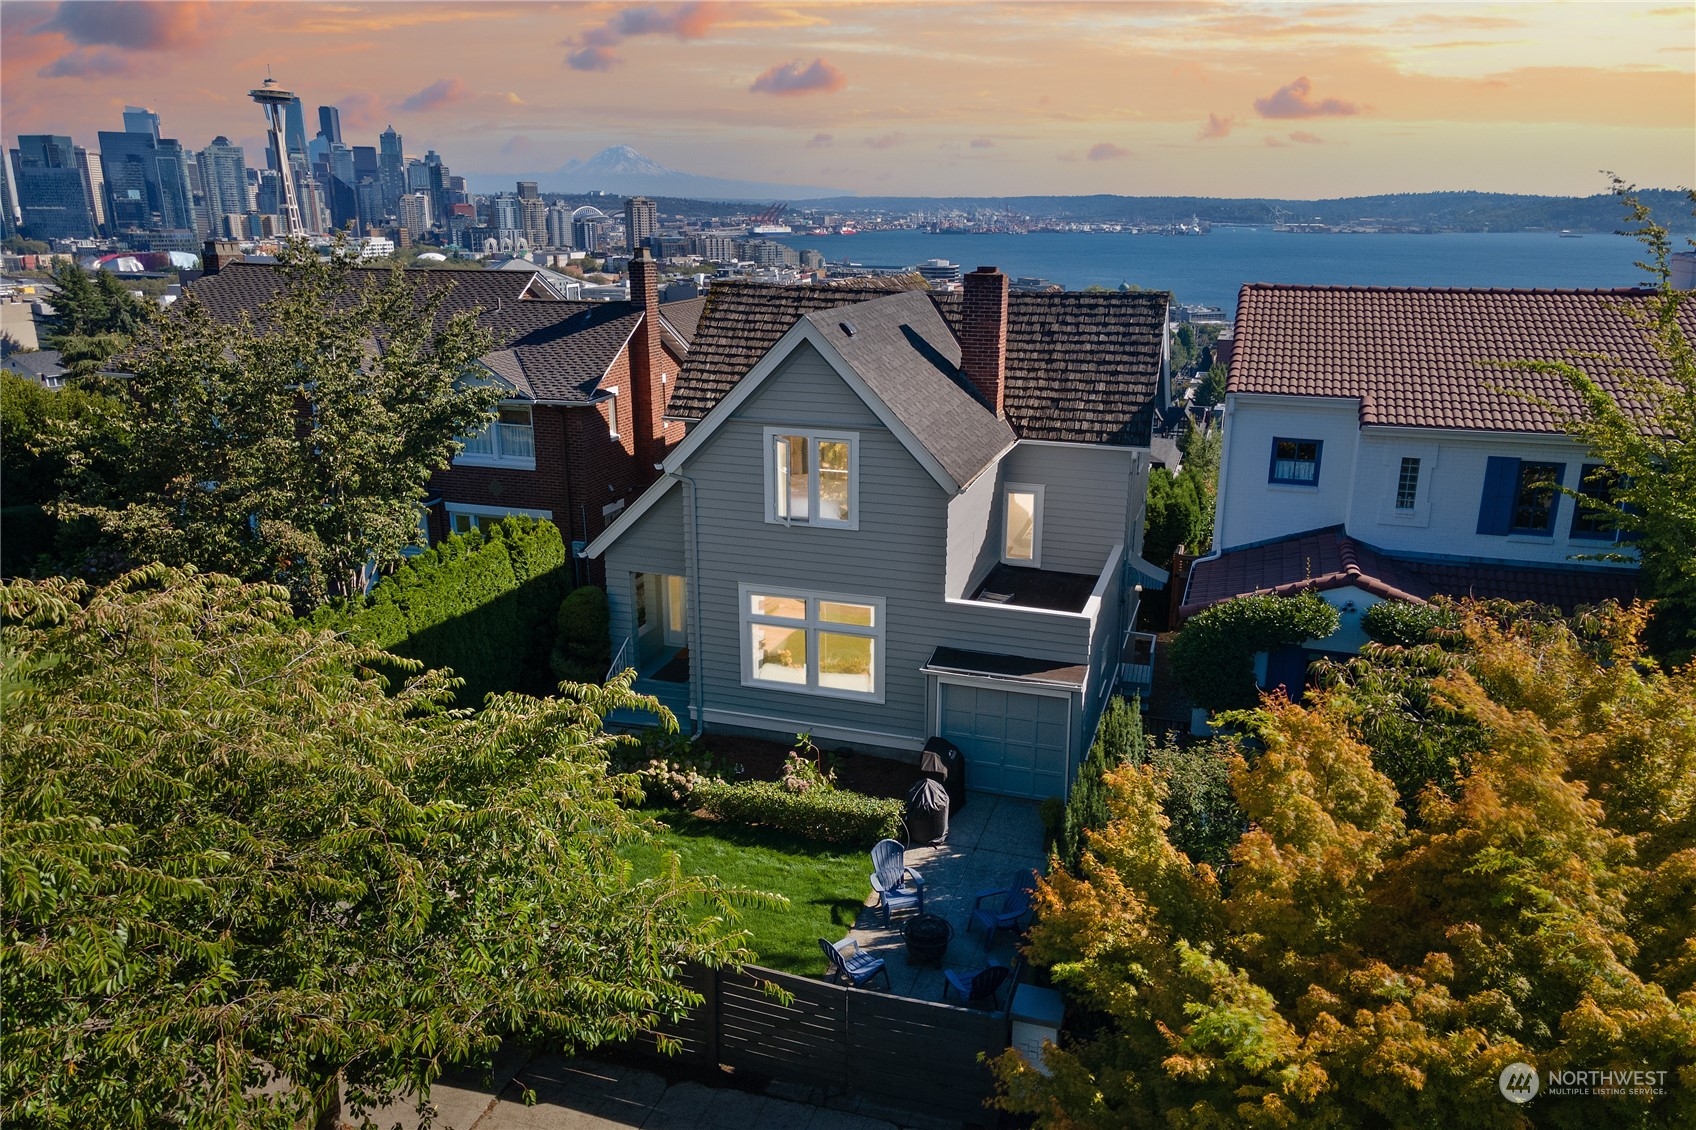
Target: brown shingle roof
[(547, 349), (1421, 357), (1325, 559), (1081, 367)]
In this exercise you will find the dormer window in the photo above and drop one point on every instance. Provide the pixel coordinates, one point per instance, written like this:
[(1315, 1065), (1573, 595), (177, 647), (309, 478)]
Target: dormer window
[(812, 478)]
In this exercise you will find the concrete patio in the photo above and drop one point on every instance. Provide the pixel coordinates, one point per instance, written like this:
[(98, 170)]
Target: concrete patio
[(989, 841)]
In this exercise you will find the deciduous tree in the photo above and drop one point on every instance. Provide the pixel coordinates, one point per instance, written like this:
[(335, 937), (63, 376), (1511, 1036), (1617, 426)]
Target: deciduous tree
[(240, 872)]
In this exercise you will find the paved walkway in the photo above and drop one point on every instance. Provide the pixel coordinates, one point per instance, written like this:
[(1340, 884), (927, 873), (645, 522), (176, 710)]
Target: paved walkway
[(582, 1094), (989, 841)]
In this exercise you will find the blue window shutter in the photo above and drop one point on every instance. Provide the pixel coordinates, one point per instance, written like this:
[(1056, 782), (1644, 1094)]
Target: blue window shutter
[(1495, 509)]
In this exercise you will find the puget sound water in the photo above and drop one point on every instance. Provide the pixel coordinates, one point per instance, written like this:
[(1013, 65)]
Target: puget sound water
[(1209, 269)]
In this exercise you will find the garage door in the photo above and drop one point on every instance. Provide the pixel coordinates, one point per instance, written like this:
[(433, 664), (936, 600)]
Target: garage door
[(1015, 744)]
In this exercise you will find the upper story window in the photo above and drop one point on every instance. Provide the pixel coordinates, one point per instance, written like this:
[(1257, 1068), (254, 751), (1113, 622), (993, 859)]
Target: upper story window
[(1520, 497), (1534, 500), (1407, 483), (812, 642), (1596, 481), (812, 478), (508, 441), (1295, 461), (1021, 525)]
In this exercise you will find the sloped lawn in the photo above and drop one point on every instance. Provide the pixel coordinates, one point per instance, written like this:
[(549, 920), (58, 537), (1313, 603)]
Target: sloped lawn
[(826, 885)]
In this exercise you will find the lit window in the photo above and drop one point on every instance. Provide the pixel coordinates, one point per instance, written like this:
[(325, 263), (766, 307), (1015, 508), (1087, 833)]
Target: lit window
[(1021, 525), (825, 645), (1407, 484), (811, 478), (1295, 461)]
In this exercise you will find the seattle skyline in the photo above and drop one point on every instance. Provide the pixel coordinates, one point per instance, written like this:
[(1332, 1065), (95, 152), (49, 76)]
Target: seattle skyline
[(1301, 100)]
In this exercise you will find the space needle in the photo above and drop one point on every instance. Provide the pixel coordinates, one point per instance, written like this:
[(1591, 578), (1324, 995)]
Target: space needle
[(274, 98)]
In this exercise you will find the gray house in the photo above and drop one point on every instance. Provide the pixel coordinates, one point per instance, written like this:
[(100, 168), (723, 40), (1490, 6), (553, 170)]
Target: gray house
[(898, 515)]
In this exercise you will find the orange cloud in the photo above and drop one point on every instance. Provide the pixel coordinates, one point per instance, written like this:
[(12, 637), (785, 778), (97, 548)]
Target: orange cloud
[(1291, 101), (1216, 127), (817, 77), (1107, 151), (132, 26), (442, 92)]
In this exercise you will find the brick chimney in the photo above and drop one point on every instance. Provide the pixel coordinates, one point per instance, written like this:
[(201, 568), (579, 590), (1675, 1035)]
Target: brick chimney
[(218, 254), (650, 367), (983, 335)]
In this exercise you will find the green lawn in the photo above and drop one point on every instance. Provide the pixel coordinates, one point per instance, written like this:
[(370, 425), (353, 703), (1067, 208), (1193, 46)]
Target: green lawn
[(825, 885)]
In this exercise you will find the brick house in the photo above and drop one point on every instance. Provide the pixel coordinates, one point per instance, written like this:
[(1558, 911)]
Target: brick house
[(581, 427)]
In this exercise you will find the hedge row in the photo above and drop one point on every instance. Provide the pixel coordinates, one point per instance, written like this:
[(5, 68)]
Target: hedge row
[(484, 604), (835, 816), (1213, 655)]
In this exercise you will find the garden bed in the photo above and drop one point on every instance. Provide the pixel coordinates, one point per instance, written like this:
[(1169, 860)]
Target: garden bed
[(762, 760)]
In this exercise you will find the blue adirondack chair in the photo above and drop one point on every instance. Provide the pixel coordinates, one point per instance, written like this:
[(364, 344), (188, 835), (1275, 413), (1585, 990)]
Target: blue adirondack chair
[(897, 886), (978, 985), (1011, 904), (851, 964)]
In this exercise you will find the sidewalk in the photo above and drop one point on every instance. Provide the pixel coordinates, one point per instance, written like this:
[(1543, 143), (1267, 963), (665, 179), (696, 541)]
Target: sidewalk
[(582, 1094)]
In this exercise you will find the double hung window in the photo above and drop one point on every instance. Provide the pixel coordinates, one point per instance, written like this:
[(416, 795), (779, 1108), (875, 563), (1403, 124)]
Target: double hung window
[(812, 478), (812, 642)]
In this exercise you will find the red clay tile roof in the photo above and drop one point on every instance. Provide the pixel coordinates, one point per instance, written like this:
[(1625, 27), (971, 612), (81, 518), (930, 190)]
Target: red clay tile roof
[(1329, 559), (1428, 358)]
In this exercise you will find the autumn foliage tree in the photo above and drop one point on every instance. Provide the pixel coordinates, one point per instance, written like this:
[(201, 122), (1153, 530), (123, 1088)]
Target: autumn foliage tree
[(1353, 967)]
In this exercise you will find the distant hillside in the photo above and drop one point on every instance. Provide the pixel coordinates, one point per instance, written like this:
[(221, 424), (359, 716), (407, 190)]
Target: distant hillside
[(622, 170), (1433, 211)]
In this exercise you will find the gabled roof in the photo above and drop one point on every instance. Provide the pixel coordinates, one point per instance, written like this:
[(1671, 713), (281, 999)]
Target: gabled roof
[(1321, 560), (904, 352), (1081, 367), (39, 364), (548, 349), (684, 316), (1422, 357)]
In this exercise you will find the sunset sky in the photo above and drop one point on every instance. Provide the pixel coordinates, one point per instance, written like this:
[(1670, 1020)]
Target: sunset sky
[(1153, 98)]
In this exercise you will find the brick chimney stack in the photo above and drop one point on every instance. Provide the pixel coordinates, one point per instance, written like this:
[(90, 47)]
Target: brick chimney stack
[(983, 335), (217, 254), (650, 374)]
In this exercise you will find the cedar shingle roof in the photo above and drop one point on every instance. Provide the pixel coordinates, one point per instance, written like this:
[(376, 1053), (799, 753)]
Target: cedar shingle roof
[(1081, 367), (1325, 559), (546, 349), (1421, 357), (906, 354)]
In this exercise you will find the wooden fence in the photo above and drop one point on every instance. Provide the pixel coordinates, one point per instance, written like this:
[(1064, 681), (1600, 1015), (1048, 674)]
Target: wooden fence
[(909, 1054)]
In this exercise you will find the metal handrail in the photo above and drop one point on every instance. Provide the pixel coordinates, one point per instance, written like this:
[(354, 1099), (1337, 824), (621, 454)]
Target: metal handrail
[(618, 659)]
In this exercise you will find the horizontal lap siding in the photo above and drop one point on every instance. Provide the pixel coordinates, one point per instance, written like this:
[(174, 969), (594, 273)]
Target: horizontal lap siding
[(654, 544), (898, 553), (973, 532), (1084, 500)]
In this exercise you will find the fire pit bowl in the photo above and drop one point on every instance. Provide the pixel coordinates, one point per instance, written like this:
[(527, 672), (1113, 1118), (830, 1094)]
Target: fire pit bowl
[(927, 938)]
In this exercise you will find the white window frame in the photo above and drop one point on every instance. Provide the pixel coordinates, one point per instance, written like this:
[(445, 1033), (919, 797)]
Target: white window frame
[(612, 411), (812, 625), (499, 458), (1007, 492), (494, 512), (768, 456), (1420, 513)]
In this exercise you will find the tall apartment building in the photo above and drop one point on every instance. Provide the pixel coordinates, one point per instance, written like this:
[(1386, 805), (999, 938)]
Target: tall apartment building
[(559, 226), (51, 193), (413, 208), (641, 220), (223, 177), (533, 214), (93, 186)]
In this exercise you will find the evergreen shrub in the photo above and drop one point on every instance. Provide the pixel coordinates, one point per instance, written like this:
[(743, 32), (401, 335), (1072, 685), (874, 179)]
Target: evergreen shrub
[(1402, 624), (479, 603), (836, 816), (1118, 739), (582, 648), (1214, 654)]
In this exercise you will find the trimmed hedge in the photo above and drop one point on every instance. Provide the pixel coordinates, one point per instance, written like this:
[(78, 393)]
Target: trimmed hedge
[(1213, 656), (836, 816), (483, 604), (1118, 740)]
